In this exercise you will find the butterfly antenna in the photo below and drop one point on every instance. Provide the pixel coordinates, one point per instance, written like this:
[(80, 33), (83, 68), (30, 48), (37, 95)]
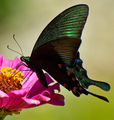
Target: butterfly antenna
[(18, 46)]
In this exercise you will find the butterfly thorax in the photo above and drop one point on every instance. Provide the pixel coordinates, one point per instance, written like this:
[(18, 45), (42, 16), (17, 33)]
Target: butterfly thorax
[(33, 64)]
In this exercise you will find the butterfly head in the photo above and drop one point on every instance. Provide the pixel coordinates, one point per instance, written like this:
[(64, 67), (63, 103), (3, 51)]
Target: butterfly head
[(25, 59)]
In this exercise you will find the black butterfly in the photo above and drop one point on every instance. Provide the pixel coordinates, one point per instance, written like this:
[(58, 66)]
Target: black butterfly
[(56, 49)]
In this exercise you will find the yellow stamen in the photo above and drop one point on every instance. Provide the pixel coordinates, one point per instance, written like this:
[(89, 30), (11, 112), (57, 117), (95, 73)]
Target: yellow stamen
[(10, 79)]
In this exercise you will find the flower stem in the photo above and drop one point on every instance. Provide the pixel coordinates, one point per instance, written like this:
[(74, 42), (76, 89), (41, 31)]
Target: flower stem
[(2, 117), (3, 114)]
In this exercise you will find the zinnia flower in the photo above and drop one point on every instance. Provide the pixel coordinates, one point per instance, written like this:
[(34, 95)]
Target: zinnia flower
[(18, 90)]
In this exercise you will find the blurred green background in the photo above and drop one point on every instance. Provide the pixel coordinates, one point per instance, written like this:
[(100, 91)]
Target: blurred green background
[(27, 18)]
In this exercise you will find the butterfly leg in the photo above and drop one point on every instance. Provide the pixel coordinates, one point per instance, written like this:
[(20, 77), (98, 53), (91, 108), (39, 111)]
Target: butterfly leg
[(42, 77)]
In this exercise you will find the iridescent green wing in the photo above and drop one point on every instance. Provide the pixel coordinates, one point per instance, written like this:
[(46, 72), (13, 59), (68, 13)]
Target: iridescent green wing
[(82, 77), (68, 24)]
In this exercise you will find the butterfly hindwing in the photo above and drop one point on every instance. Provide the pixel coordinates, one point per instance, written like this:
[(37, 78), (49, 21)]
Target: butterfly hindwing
[(82, 77), (62, 50), (67, 79)]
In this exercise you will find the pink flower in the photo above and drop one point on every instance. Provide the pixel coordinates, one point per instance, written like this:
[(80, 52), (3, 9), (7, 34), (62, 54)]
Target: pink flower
[(19, 90)]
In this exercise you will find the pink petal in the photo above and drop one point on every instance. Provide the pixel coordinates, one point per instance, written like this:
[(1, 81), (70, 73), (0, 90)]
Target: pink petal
[(1, 60), (38, 87), (19, 92), (24, 103), (57, 99), (19, 65), (42, 98), (56, 86), (14, 103), (29, 80), (15, 97), (3, 98), (7, 63), (16, 62), (31, 103)]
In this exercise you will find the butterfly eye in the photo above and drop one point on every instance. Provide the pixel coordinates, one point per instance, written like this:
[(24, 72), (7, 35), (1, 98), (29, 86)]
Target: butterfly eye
[(22, 58)]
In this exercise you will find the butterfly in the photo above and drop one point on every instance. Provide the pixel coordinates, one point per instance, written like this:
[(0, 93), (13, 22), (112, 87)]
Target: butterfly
[(56, 51)]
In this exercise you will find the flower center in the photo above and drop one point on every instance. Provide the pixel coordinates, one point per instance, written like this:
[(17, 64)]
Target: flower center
[(10, 79)]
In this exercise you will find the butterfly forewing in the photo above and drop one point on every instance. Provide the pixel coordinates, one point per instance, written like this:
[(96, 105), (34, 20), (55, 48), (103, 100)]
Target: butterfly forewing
[(69, 23)]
